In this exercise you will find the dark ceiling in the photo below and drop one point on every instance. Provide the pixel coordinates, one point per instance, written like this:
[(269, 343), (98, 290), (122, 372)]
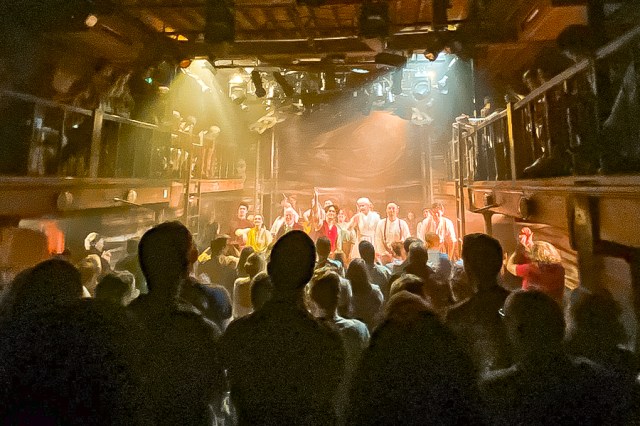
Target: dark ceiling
[(500, 33)]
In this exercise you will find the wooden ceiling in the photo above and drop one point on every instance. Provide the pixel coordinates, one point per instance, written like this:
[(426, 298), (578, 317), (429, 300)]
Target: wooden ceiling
[(282, 32)]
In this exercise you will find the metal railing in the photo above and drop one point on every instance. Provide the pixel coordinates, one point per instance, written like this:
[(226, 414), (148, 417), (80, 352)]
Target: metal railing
[(40, 137), (583, 121)]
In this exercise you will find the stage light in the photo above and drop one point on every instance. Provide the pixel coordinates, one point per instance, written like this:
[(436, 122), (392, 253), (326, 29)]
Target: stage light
[(284, 84), (91, 20), (359, 70), (374, 19), (238, 95), (257, 82), (421, 89), (185, 63), (220, 23)]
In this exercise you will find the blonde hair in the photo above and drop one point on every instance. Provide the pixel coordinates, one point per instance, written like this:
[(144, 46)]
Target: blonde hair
[(544, 252)]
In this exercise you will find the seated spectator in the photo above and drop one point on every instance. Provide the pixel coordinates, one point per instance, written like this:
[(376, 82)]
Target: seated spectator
[(73, 365), (594, 331), (476, 321), (543, 272), (413, 372), (242, 286), (545, 386), (397, 251), (378, 274), (118, 288), (284, 366), (49, 284), (261, 290), (182, 364), (325, 292), (367, 298)]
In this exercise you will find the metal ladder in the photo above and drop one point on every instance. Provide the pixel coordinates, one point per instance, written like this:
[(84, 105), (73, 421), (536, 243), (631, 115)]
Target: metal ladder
[(458, 154), (193, 198)]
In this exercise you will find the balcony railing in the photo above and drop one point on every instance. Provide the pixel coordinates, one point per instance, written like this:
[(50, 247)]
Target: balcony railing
[(39, 137), (584, 121)]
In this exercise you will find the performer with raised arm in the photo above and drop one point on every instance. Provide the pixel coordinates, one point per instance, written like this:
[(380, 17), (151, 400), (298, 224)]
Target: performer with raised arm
[(364, 223), (388, 231)]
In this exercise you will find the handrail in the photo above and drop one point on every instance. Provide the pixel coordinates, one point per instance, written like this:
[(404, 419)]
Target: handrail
[(46, 102), (124, 120)]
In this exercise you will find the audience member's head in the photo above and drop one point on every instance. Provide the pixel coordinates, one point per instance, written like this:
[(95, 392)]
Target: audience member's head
[(432, 240), (292, 262), (405, 306), (482, 258), (367, 251), (54, 282), (409, 282), (254, 264), (323, 247), (218, 244), (406, 244), (90, 269), (358, 276), (325, 290), (166, 253), (261, 290), (535, 324), (396, 248), (244, 255), (117, 287), (593, 322), (418, 254)]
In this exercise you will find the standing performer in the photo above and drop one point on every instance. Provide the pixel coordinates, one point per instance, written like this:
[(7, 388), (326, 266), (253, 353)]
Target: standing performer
[(329, 227), (388, 231), (364, 223), (442, 226)]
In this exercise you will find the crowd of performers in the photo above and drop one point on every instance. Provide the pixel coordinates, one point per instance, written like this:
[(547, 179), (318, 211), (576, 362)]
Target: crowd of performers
[(345, 233)]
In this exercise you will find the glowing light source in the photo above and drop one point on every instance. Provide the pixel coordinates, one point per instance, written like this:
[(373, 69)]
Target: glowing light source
[(359, 70), (91, 20)]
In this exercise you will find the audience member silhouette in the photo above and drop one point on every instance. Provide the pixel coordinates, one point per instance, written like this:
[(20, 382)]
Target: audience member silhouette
[(545, 386), (242, 286), (130, 263), (325, 292), (221, 269), (476, 321), (411, 283), (417, 265), (73, 365), (244, 255), (594, 332), (211, 300), (414, 371), (367, 298), (284, 366), (261, 290), (182, 365), (323, 248), (47, 285), (378, 274), (117, 287)]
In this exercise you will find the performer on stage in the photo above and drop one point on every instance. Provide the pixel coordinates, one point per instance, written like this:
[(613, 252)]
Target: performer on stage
[(257, 236), (329, 227), (364, 223), (442, 226), (239, 222), (289, 223), (390, 230)]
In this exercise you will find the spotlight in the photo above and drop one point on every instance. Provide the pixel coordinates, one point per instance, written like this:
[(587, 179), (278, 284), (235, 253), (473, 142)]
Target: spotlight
[(238, 96), (374, 19), (185, 63), (257, 82), (284, 84), (91, 20), (220, 24)]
